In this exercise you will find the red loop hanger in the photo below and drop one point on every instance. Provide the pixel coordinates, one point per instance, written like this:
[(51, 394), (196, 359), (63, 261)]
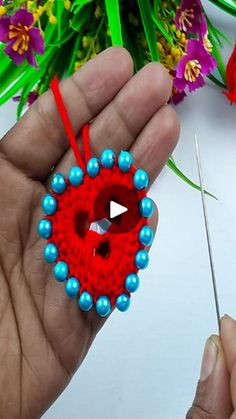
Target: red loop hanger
[(68, 128)]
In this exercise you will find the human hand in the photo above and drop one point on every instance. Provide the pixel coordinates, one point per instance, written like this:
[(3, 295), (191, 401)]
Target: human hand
[(44, 336), (216, 392)]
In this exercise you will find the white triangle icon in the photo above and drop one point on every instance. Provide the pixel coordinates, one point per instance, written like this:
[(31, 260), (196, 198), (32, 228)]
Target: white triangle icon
[(116, 209)]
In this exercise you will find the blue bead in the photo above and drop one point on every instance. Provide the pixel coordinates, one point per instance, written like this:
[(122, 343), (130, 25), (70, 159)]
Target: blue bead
[(132, 282), (93, 167), (76, 176), (141, 259), (140, 179), (72, 287), (125, 161), (146, 236), (85, 301), (61, 271), (103, 306), (58, 183), (107, 158), (50, 253), (45, 229), (146, 207), (123, 302), (49, 204)]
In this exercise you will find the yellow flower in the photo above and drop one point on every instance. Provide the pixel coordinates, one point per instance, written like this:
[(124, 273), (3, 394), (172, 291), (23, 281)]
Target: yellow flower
[(52, 19), (85, 42), (98, 12), (67, 4), (2, 10), (77, 66)]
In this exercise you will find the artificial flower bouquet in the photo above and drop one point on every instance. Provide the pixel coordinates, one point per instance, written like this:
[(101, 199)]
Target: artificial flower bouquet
[(41, 38)]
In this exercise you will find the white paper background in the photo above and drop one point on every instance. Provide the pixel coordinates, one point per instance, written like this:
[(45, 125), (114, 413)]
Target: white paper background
[(145, 364)]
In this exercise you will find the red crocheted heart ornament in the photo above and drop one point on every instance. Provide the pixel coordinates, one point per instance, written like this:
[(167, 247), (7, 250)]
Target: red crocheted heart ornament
[(98, 267)]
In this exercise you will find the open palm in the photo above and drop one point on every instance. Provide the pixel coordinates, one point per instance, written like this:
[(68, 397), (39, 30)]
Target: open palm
[(44, 336)]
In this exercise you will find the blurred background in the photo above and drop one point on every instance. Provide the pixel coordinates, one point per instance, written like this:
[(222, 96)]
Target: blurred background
[(145, 363)]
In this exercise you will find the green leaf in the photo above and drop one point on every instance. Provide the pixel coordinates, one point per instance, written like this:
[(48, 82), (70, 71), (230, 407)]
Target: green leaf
[(217, 34), (218, 57), (59, 14), (78, 5), (133, 46), (70, 69), (11, 74), (23, 99), (113, 14), (182, 176), (79, 20), (148, 24), (216, 81), (31, 74), (225, 6), (162, 29)]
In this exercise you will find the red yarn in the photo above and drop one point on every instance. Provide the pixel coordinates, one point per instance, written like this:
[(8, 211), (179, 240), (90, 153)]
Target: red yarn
[(67, 125), (85, 137), (79, 247)]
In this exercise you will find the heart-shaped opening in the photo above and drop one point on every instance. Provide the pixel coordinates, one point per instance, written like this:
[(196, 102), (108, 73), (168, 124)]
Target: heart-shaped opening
[(81, 223), (103, 249)]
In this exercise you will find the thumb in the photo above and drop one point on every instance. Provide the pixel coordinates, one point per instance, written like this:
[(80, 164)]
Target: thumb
[(212, 399)]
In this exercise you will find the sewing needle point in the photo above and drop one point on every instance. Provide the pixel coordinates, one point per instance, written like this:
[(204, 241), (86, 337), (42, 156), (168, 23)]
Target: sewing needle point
[(204, 206)]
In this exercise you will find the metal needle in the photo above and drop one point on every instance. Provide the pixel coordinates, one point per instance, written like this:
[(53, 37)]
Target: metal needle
[(204, 206)]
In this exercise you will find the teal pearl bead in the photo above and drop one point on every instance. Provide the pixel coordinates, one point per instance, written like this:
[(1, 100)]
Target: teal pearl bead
[(125, 161), (76, 176), (146, 236), (85, 301), (61, 271), (58, 183), (103, 306), (49, 204), (44, 229), (50, 253), (107, 158), (123, 302), (93, 167), (132, 282), (140, 179), (72, 287), (141, 259), (146, 207)]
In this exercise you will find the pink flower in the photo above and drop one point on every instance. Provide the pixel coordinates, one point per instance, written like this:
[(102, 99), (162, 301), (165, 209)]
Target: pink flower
[(195, 64), (21, 38), (189, 16)]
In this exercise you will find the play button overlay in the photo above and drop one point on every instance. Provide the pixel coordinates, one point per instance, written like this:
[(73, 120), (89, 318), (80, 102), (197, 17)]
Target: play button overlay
[(116, 209), (119, 205)]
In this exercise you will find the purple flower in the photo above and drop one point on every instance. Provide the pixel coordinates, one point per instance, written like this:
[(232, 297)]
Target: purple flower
[(21, 38), (189, 16), (32, 96), (195, 64), (177, 96)]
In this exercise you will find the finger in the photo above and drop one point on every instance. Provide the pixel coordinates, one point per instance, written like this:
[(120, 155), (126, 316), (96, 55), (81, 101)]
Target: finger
[(212, 398), (228, 335), (123, 119), (156, 142), (38, 140)]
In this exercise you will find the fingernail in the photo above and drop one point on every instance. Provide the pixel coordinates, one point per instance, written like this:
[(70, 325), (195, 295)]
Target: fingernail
[(209, 359), (226, 316)]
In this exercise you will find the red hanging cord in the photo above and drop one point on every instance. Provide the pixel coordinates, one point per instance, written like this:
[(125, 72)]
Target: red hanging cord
[(85, 137), (68, 128)]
